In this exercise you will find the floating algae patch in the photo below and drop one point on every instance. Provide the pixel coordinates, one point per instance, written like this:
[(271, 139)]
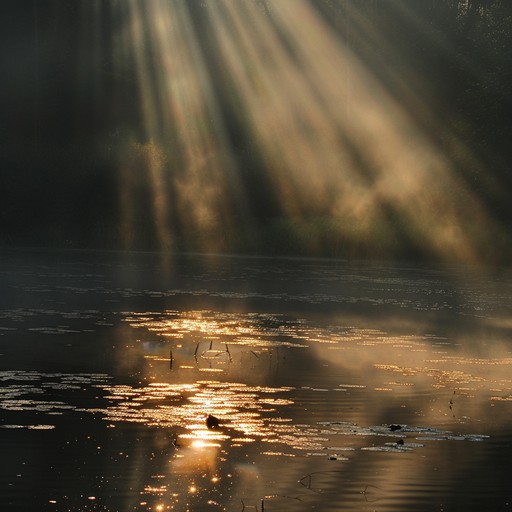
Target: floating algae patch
[(393, 447), (420, 433)]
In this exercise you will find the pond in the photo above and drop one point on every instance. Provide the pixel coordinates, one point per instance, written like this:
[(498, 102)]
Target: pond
[(337, 385)]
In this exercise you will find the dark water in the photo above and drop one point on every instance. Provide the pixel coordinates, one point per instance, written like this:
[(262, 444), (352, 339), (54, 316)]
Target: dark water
[(338, 386)]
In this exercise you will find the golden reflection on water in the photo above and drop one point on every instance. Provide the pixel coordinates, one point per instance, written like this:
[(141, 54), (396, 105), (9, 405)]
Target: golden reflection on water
[(283, 389), (182, 409), (251, 347), (443, 390), (249, 328), (305, 399)]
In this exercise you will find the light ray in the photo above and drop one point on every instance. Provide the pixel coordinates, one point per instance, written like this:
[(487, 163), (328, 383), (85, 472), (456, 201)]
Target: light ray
[(294, 104), (333, 143), (187, 158)]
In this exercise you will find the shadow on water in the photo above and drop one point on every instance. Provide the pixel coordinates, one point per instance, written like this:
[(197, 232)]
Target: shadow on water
[(336, 386)]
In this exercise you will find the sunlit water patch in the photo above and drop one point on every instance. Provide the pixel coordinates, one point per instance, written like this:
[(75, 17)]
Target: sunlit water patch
[(258, 329), (221, 341), (245, 414), (335, 387), (50, 394)]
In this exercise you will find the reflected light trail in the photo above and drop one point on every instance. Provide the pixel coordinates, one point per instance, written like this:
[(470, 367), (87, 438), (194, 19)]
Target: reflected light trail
[(335, 144)]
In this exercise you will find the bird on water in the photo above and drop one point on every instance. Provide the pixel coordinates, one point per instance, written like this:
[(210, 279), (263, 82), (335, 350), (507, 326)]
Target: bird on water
[(212, 422)]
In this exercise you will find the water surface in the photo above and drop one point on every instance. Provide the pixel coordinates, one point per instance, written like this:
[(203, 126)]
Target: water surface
[(338, 386)]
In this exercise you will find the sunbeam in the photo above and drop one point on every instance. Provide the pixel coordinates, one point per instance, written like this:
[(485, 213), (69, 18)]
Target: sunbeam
[(336, 149), (357, 163), (186, 159)]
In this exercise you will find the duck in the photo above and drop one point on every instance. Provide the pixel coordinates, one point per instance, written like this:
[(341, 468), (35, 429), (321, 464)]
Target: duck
[(212, 422)]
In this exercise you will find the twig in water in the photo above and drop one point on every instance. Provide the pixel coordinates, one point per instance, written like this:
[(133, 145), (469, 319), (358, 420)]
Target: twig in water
[(365, 493), (451, 403), (252, 506), (309, 478), (301, 481), (170, 360)]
